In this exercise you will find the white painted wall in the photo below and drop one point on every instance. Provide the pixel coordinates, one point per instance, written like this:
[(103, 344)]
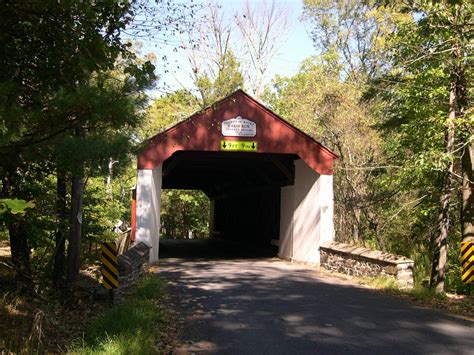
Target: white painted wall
[(306, 215), (327, 208), (148, 209)]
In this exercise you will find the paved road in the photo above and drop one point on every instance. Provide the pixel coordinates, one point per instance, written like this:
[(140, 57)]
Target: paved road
[(268, 306)]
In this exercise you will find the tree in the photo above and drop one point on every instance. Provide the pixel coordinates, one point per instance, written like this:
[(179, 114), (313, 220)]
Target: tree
[(411, 61), (185, 214), (15, 210), (429, 107), (227, 80), (263, 29), (351, 33), (112, 109), (232, 51), (167, 111), (216, 71), (55, 81)]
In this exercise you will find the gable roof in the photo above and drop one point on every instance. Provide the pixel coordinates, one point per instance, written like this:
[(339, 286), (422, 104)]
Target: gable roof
[(202, 132)]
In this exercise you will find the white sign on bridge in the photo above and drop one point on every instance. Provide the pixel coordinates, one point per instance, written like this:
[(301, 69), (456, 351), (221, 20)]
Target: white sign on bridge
[(239, 127)]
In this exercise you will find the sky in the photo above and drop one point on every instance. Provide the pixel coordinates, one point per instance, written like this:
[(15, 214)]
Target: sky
[(294, 49)]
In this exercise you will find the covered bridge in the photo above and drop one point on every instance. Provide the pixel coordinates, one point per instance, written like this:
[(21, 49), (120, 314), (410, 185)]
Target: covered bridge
[(267, 181)]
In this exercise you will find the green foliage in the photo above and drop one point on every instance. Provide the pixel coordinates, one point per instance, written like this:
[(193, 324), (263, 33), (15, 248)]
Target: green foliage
[(352, 34), (227, 80), (48, 60), (40, 221), (149, 288), (418, 99), (66, 69), (167, 111), (130, 327), (102, 211), (430, 49), (184, 212), (423, 293), (122, 320), (15, 207), (134, 343)]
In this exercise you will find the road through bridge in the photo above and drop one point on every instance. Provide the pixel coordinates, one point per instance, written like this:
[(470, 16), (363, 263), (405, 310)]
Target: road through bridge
[(255, 305)]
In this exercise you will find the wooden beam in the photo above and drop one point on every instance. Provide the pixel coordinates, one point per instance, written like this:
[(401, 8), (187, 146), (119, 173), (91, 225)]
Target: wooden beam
[(247, 190), (172, 164), (283, 168)]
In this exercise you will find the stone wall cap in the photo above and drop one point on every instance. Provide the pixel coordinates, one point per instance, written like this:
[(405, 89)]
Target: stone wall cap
[(365, 253), (133, 258), (141, 248)]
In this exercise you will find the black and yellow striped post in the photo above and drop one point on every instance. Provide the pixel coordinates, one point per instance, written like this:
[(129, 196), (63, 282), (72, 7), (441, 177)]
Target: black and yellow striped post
[(467, 262), (109, 268)]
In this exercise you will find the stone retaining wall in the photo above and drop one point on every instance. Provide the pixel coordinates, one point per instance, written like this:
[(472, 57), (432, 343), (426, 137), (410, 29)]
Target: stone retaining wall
[(132, 264), (351, 260)]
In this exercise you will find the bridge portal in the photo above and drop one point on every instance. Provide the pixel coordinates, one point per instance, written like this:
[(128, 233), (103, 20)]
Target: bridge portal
[(268, 182)]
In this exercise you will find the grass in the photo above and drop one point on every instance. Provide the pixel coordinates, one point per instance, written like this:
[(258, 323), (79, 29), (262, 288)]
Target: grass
[(422, 293), (379, 282), (387, 283), (390, 284), (131, 327)]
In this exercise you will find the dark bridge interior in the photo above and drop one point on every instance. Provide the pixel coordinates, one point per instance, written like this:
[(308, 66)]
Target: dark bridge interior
[(222, 174), (244, 188)]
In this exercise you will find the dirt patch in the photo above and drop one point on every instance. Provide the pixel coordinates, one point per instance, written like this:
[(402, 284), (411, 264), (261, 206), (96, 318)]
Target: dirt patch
[(169, 330), (45, 320)]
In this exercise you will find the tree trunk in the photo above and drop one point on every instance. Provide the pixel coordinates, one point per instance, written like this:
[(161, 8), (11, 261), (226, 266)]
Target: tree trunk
[(20, 251), (108, 182), (438, 271), (356, 234), (77, 190), (60, 237), (467, 211)]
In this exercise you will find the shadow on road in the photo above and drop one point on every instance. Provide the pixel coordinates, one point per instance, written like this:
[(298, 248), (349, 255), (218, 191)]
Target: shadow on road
[(267, 306), (212, 249)]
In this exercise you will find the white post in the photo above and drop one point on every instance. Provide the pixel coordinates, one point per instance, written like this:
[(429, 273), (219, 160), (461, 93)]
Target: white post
[(148, 209), (326, 196), (306, 215)]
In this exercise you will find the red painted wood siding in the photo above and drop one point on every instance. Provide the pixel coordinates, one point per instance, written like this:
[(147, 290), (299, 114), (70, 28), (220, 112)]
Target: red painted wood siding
[(202, 132)]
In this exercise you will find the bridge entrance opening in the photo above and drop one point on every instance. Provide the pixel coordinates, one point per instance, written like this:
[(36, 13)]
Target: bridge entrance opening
[(244, 190), (269, 184)]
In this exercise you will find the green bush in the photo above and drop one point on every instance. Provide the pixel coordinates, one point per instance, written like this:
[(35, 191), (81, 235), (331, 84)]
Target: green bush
[(128, 328)]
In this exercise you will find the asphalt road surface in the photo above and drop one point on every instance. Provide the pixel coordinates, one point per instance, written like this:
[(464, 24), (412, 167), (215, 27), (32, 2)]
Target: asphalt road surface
[(268, 306)]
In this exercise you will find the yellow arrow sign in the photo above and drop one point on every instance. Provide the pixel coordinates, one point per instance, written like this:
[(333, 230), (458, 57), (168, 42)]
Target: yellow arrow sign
[(243, 146)]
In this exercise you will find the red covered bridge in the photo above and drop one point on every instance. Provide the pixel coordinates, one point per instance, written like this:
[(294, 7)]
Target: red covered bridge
[(266, 180)]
